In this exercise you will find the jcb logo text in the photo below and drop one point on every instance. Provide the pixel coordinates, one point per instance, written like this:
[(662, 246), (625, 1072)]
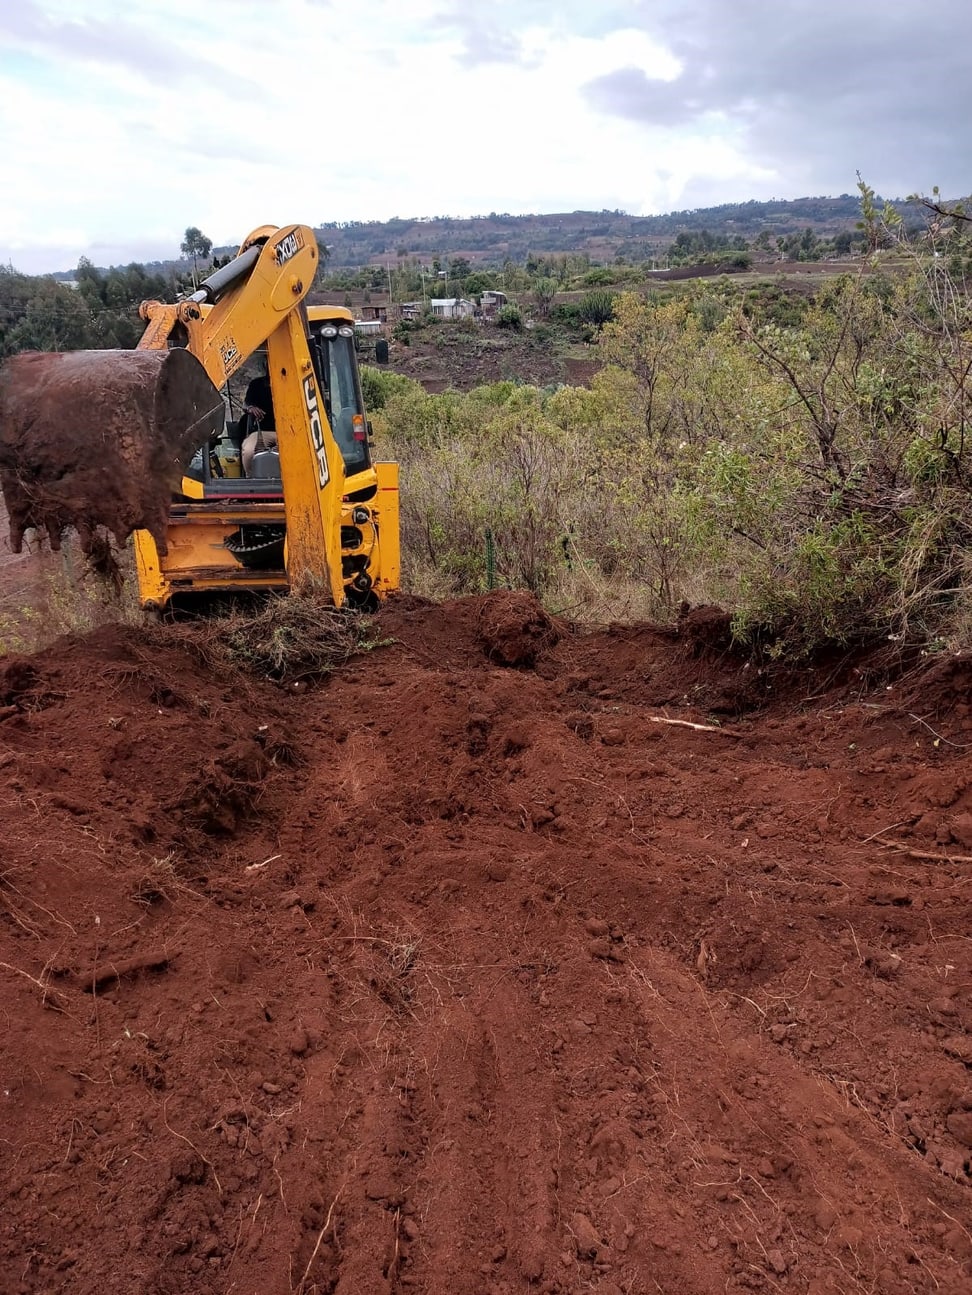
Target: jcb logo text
[(287, 248), (316, 432)]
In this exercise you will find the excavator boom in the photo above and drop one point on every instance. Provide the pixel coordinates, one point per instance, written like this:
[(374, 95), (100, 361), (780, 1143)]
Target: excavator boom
[(319, 512)]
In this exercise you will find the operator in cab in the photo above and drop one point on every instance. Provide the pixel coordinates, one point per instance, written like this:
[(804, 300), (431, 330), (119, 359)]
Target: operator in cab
[(257, 429)]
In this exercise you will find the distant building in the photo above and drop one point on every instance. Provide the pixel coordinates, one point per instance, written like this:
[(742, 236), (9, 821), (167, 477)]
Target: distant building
[(410, 309), (367, 327), (452, 307), (491, 302), (363, 303), (379, 312)]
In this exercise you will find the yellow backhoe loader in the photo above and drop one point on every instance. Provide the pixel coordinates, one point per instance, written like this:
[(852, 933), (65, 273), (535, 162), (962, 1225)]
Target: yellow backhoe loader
[(300, 501)]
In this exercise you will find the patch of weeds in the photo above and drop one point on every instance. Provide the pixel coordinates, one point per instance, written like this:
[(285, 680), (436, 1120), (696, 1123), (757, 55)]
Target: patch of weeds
[(290, 638)]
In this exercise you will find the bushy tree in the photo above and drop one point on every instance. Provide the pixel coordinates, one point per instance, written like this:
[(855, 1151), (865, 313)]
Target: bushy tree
[(55, 319), (478, 282), (544, 291), (16, 291), (596, 307), (197, 247), (101, 310), (379, 385), (510, 316)]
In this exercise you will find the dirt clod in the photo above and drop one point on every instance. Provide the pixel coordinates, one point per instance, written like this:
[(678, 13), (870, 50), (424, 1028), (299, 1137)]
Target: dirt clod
[(706, 628), (586, 1239), (777, 1261), (514, 630)]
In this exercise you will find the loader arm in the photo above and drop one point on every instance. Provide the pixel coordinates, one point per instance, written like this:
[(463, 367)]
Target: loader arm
[(258, 298), (311, 465)]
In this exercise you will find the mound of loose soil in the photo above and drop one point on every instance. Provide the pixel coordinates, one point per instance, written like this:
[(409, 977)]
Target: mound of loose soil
[(99, 438), (707, 628), (444, 976), (514, 629)]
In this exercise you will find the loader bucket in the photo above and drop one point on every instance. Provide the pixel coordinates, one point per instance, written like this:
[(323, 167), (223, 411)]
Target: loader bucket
[(100, 438)]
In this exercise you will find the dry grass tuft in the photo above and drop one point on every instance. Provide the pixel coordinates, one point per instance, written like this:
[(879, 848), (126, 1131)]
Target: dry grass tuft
[(287, 639), (50, 594)]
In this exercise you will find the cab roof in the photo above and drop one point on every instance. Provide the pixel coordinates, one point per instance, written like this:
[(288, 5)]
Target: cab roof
[(316, 313)]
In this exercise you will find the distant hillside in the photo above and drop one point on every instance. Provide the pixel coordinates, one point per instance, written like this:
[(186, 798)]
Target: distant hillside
[(601, 235)]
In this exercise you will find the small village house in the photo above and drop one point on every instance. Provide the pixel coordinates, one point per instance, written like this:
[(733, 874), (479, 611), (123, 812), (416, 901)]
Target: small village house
[(452, 307)]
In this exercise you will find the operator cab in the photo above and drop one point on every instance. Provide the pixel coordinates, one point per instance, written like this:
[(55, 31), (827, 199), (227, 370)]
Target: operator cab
[(242, 470), (220, 468)]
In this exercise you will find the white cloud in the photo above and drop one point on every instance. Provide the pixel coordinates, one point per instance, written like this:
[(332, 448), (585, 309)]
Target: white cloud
[(124, 121)]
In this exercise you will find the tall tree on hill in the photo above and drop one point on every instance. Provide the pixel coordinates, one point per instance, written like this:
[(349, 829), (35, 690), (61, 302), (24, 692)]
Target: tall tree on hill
[(544, 291), (196, 246), (323, 256), (459, 268)]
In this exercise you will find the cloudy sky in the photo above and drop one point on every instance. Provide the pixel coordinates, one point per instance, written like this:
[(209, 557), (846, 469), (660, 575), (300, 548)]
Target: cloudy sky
[(124, 121)]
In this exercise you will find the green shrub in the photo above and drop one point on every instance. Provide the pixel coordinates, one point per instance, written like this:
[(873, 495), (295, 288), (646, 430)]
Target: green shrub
[(600, 277), (567, 312), (802, 460), (510, 316), (596, 307), (379, 385)]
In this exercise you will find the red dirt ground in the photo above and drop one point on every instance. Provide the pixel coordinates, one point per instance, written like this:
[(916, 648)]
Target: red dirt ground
[(449, 976), (452, 358)]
